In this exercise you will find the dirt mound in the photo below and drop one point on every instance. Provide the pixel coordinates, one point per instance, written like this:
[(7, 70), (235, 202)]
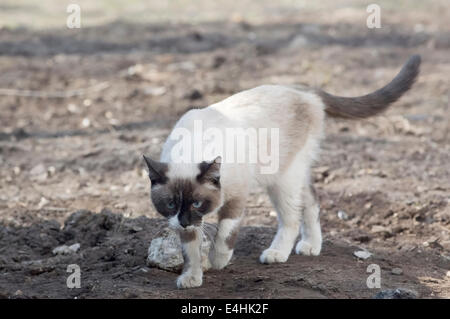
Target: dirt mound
[(113, 252)]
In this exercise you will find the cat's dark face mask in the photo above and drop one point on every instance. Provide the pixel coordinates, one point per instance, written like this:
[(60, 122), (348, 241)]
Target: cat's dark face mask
[(185, 200)]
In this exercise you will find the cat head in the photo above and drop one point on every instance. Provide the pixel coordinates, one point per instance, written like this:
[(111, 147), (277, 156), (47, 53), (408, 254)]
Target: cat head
[(184, 193)]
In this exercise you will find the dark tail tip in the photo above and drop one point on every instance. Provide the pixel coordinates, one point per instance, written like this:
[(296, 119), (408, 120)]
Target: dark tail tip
[(414, 61), (375, 102)]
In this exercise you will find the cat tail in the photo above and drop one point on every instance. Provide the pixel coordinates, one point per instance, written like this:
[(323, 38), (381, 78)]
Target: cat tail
[(375, 102)]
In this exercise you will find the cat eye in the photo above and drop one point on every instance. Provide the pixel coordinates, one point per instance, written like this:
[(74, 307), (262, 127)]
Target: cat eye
[(171, 205), (197, 204)]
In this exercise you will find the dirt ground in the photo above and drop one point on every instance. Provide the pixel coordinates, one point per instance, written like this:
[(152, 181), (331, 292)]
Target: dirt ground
[(79, 108)]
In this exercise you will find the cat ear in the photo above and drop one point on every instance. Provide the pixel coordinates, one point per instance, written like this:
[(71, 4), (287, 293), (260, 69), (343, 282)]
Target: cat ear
[(156, 171), (210, 171)]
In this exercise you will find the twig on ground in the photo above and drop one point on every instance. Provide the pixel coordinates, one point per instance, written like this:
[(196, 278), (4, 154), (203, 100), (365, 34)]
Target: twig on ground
[(56, 94)]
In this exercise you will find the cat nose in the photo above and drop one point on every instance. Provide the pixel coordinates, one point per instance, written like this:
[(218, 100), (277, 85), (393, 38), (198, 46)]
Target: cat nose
[(184, 222)]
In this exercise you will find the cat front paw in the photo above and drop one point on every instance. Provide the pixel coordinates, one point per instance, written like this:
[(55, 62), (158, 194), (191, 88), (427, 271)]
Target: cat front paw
[(308, 249), (206, 263), (270, 256), (189, 280)]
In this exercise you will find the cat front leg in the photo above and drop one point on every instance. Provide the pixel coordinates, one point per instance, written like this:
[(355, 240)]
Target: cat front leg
[(191, 242), (230, 215)]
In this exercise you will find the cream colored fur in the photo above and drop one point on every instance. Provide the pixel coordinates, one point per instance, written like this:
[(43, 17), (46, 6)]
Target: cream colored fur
[(299, 116)]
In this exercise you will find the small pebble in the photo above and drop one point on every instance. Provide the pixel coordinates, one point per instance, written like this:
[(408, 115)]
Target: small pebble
[(397, 271), (86, 122), (342, 215), (65, 250), (144, 270), (38, 170), (379, 229), (362, 254), (87, 102)]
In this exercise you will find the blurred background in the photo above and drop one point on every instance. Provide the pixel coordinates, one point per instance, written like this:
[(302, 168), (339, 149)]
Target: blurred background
[(79, 107)]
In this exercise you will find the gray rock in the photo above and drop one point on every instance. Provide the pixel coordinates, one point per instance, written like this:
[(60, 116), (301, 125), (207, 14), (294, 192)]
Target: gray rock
[(38, 170), (66, 250), (342, 215), (397, 271), (39, 173), (299, 41), (362, 254), (137, 229), (399, 293), (165, 253)]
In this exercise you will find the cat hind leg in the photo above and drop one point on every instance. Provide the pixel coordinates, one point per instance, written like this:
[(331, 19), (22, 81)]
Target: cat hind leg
[(286, 201), (311, 242)]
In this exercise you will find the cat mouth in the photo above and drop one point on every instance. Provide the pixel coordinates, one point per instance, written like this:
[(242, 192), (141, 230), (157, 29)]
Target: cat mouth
[(174, 224)]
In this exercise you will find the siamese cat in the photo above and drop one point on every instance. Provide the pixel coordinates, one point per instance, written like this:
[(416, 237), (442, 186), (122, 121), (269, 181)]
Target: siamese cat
[(196, 176)]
